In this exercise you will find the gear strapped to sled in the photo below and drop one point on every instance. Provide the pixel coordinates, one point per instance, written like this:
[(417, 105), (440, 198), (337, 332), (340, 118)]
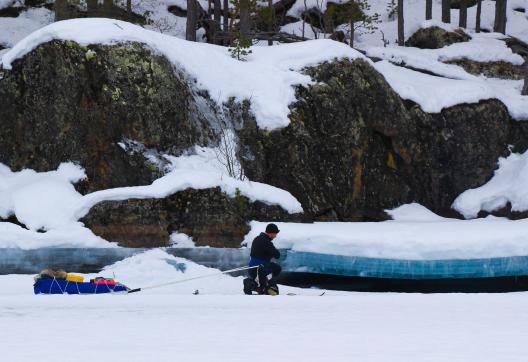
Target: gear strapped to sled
[(60, 282)]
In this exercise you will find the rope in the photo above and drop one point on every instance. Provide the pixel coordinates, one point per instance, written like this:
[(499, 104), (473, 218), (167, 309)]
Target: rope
[(194, 278)]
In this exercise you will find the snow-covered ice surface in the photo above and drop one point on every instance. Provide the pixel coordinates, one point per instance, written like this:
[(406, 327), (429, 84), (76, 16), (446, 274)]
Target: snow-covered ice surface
[(508, 184), (415, 234), (222, 324), (267, 77)]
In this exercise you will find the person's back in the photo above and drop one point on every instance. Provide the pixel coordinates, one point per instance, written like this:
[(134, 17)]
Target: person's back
[(262, 251)]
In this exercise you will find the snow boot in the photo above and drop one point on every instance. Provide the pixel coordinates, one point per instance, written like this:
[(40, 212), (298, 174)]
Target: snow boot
[(249, 286)]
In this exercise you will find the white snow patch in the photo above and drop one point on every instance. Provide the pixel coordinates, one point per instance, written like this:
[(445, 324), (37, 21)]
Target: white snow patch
[(266, 78), (508, 184), (434, 93), (181, 240), (71, 235), (413, 212)]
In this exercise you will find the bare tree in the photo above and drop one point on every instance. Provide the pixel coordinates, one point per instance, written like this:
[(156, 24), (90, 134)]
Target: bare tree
[(462, 21), (428, 9), (226, 153), (479, 14), (401, 31), (192, 18), (446, 11), (500, 16)]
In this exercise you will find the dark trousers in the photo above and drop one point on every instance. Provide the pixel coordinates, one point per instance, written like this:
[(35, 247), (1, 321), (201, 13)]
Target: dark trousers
[(269, 268)]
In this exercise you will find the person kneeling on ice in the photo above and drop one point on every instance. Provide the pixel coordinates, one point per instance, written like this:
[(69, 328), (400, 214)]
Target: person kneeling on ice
[(262, 251)]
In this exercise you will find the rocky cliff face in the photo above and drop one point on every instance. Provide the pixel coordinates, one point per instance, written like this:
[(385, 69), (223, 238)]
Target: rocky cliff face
[(352, 149), (355, 148)]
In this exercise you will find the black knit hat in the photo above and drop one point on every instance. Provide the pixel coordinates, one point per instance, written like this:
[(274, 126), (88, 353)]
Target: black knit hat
[(272, 229)]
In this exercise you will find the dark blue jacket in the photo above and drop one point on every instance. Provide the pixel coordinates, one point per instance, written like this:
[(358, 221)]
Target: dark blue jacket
[(263, 250)]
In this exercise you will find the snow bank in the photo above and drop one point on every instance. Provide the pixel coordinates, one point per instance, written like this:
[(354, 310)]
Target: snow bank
[(413, 212), (6, 3), (71, 235), (157, 266), (416, 236), (40, 199), (48, 200), (508, 184), (434, 93), (267, 77)]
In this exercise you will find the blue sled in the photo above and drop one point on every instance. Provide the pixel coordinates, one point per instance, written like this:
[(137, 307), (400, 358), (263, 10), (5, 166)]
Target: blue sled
[(62, 286)]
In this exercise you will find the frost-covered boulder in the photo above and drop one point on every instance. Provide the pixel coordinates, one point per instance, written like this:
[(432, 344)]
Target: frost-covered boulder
[(435, 37), (65, 102)]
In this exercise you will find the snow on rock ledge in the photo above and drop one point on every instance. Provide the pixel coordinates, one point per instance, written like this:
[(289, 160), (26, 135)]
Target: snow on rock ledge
[(267, 77), (507, 185), (49, 201)]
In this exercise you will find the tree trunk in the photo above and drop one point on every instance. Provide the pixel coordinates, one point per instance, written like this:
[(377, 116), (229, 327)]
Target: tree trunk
[(129, 9), (271, 18), (226, 15), (192, 12), (352, 31), (500, 16), (479, 13), (217, 17), (462, 21), (108, 8), (61, 10), (446, 11), (245, 25), (525, 87), (91, 6), (428, 9), (401, 31)]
